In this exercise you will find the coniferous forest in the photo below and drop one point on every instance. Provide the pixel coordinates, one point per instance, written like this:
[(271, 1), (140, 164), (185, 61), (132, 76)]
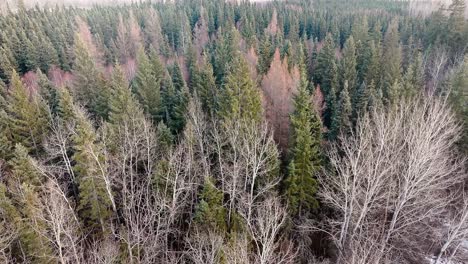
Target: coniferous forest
[(188, 131)]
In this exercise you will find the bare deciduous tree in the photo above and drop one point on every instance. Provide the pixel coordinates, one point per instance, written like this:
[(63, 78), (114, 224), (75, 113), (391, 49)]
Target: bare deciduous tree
[(265, 228), (391, 181)]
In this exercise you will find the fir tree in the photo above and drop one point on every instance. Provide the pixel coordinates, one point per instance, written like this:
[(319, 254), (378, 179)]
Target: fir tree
[(65, 107), (459, 97), (90, 86)]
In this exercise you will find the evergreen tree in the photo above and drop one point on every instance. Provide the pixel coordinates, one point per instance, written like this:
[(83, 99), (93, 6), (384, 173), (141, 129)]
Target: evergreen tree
[(348, 65), (205, 87), (210, 212), (265, 55), (305, 161), (360, 102), (457, 24), (47, 91), (459, 99), (391, 60), (174, 101), (27, 116), (28, 219), (123, 106), (90, 86), (240, 98), (344, 111), (94, 206), (65, 107), (147, 85)]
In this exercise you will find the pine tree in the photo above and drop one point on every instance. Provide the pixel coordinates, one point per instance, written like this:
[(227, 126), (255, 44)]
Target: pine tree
[(240, 98), (6, 66), (27, 116), (210, 212), (94, 206), (305, 161), (147, 85), (413, 80)]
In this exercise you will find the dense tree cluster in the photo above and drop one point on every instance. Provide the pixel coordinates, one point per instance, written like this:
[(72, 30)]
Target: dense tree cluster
[(225, 132)]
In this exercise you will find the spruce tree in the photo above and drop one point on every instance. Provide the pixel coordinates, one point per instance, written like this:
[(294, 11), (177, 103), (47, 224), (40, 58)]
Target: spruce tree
[(91, 89), (27, 116), (205, 87), (94, 206), (348, 65), (147, 85), (174, 100), (210, 212), (47, 91), (123, 106), (344, 111), (240, 97), (458, 98), (305, 161), (391, 60), (65, 107), (28, 219)]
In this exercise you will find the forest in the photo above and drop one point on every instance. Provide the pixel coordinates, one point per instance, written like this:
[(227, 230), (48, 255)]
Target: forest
[(189, 131)]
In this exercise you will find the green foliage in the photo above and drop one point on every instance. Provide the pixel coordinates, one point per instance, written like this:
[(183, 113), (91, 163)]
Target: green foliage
[(26, 116), (91, 89), (210, 212), (240, 97), (305, 160), (123, 106), (345, 111), (48, 92), (65, 107), (94, 205), (204, 85), (174, 100), (391, 61), (348, 65), (28, 220), (147, 84), (459, 98)]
